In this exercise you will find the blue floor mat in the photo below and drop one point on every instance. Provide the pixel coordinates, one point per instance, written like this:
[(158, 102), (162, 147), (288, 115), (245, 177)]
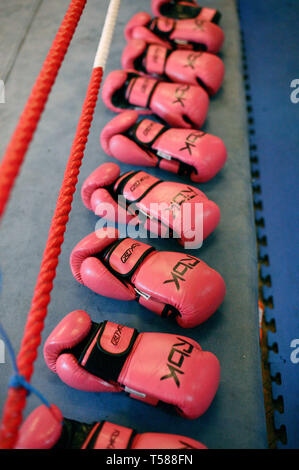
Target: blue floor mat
[(271, 34), (236, 418)]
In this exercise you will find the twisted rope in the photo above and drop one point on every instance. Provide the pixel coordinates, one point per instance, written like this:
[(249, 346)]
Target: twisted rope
[(16, 399), (24, 132)]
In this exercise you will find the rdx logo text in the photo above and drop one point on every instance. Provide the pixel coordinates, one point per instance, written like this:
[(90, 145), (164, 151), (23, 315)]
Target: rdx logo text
[(113, 438), (128, 252), (179, 352), (138, 182), (180, 269), (116, 335), (180, 198), (180, 94), (191, 58), (191, 140)]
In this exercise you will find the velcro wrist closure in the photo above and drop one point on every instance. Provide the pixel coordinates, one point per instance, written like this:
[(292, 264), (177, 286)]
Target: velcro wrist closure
[(146, 132), (140, 91), (178, 10), (108, 350), (155, 59), (113, 436), (162, 26), (126, 256), (136, 185)]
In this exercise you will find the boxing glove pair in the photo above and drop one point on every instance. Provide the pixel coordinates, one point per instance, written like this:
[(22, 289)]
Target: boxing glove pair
[(178, 104), (181, 9), (164, 208), (194, 34), (170, 284), (46, 428), (190, 153), (151, 367), (181, 66)]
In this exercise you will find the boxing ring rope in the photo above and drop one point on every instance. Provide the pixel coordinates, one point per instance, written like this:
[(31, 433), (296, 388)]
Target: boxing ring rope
[(29, 119), (16, 399)]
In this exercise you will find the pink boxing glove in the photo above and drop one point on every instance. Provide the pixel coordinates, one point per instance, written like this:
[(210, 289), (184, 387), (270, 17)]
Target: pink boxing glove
[(165, 208), (181, 66), (180, 105), (190, 153), (151, 367), (195, 34), (47, 429), (168, 283), (182, 10)]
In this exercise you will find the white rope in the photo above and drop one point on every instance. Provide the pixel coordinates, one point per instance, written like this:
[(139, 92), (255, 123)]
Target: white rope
[(107, 33)]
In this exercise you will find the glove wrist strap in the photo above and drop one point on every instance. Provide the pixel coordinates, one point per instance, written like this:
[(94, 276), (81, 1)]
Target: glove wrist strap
[(107, 435), (140, 91), (134, 186), (125, 256), (146, 132), (176, 10), (101, 435), (107, 350), (155, 59), (185, 12), (162, 26), (73, 434)]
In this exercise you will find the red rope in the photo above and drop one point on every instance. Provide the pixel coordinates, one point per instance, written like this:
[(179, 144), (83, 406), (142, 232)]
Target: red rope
[(16, 400), (24, 132)]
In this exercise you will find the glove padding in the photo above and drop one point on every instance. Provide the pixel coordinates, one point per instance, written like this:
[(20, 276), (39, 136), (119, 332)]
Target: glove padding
[(190, 153), (181, 66), (195, 34), (183, 10), (168, 283), (180, 105), (47, 429), (151, 367), (165, 208)]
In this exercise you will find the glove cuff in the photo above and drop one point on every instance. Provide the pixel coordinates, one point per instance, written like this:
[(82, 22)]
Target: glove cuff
[(146, 132), (135, 185), (107, 435), (155, 59), (140, 90), (97, 435), (125, 256), (162, 26), (107, 350)]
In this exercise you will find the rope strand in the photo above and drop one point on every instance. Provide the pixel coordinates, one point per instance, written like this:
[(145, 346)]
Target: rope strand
[(16, 399), (18, 380), (16, 150)]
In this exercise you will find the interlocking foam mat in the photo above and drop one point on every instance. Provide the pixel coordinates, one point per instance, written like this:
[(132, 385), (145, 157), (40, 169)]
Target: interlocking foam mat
[(271, 72), (236, 418)]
